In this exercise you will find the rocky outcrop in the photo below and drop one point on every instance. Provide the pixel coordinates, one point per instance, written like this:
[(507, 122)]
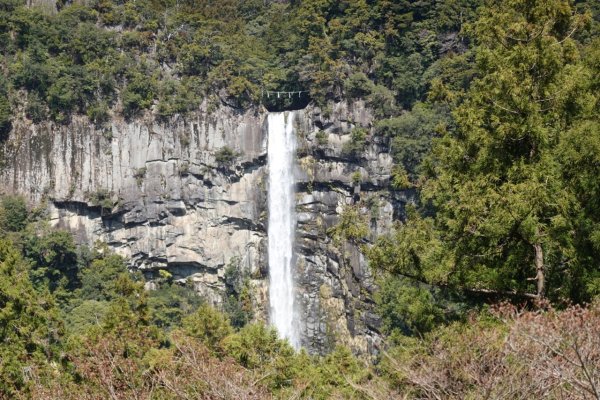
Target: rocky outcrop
[(335, 285), (189, 195)]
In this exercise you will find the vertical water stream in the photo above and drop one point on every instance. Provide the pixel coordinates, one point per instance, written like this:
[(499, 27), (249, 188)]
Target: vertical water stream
[(282, 225)]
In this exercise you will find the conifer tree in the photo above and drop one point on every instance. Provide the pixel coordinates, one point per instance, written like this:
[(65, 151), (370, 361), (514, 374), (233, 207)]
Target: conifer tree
[(504, 216), (29, 327)]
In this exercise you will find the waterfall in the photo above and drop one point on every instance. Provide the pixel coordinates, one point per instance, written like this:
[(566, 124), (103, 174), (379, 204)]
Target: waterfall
[(282, 225)]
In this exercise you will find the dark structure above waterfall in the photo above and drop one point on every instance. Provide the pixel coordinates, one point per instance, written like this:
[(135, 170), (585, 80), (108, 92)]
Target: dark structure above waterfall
[(285, 101)]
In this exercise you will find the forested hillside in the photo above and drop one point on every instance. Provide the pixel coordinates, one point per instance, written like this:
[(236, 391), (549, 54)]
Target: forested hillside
[(488, 286), (126, 57)]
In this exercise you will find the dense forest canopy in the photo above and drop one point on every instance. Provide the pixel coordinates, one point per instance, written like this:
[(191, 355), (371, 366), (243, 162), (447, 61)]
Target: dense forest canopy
[(170, 55), (491, 110)]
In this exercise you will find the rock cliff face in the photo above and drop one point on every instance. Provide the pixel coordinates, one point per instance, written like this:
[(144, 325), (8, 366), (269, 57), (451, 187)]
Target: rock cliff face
[(189, 196)]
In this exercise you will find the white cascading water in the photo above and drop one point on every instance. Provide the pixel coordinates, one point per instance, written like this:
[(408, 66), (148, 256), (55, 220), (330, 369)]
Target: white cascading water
[(282, 225)]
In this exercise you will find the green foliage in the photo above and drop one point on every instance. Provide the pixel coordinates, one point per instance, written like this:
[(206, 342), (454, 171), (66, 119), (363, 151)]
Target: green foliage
[(138, 94), (407, 306), (208, 325), (225, 156), (358, 85), (35, 109), (99, 279), (505, 219), (29, 328), (400, 179), (114, 338), (382, 101), (177, 97), (322, 138), (356, 144), (237, 297), (412, 133), (98, 113), (85, 316), (352, 226), (13, 213), (54, 261), (139, 174), (356, 178), (256, 345), (502, 141), (173, 54), (171, 303), (5, 114), (101, 198)]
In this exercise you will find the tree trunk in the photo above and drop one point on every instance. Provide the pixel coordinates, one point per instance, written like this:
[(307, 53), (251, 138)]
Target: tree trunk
[(540, 270)]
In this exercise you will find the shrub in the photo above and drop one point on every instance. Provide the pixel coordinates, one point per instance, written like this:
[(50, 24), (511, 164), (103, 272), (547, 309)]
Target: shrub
[(356, 144), (101, 198), (225, 156), (237, 296), (322, 138), (138, 94), (98, 113), (139, 174), (13, 213), (352, 226), (62, 97), (29, 327), (208, 325), (171, 303), (358, 85), (382, 101), (407, 307), (400, 178), (537, 354), (35, 109), (5, 115)]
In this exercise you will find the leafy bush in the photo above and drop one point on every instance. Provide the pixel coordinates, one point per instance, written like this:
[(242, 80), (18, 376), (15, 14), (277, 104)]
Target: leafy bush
[(208, 325), (356, 144), (13, 213), (171, 303), (225, 156), (101, 198), (352, 226), (138, 94), (98, 113), (358, 85), (412, 133), (54, 262), (30, 327), (237, 297), (536, 354), (35, 108), (322, 138), (5, 115), (407, 307)]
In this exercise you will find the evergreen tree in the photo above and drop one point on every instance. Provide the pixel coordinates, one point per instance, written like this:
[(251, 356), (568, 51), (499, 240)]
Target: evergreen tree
[(29, 328), (504, 215)]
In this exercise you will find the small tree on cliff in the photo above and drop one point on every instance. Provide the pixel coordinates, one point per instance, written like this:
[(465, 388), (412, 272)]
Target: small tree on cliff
[(504, 215)]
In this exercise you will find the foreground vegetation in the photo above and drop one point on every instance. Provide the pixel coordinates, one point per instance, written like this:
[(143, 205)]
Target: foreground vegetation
[(75, 324)]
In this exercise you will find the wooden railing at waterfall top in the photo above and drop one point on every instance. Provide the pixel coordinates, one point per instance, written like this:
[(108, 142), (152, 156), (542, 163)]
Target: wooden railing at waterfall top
[(278, 94)]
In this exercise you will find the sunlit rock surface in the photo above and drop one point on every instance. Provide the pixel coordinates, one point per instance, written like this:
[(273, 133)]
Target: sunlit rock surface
[(163, 195)]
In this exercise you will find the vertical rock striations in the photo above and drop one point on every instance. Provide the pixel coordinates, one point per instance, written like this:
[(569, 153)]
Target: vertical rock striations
[(190, 195)]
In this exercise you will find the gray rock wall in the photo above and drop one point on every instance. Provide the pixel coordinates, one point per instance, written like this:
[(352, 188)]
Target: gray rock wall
[(161, 195)]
